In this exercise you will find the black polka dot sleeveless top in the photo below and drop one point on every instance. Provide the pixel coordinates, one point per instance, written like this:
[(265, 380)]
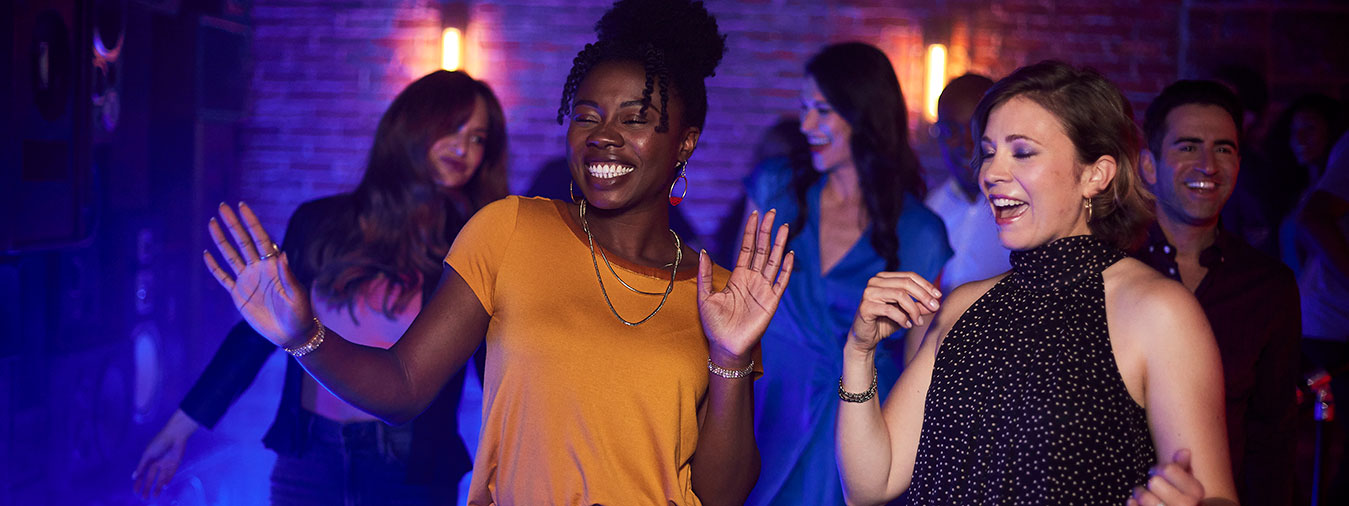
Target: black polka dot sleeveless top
[(1026, 404)]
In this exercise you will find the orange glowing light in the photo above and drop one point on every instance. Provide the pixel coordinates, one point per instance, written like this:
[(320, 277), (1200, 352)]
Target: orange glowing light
[(451, 49), (935, 69)]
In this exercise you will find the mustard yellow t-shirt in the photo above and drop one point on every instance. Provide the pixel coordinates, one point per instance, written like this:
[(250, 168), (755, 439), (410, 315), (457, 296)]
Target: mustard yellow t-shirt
[(579, 408)]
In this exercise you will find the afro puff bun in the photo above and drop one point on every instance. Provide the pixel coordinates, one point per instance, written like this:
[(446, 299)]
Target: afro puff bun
[(676, 41), (683, 30)]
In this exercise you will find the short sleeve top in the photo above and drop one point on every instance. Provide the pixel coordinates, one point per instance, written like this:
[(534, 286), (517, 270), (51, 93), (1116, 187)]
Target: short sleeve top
[(579, 408)]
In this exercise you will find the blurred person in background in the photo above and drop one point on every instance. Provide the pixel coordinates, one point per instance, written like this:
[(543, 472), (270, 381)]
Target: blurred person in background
[(958, 201), (1324, 282), (856, 209), (369, 259), (1298, 147)]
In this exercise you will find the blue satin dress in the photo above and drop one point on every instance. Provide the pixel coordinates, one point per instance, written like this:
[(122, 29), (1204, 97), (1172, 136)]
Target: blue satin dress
[(796, 401)]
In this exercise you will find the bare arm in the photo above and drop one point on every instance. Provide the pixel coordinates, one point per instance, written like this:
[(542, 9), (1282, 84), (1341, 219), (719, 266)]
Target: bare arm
[(395, 384), (1182, 391), (726, 463), (877, 445)]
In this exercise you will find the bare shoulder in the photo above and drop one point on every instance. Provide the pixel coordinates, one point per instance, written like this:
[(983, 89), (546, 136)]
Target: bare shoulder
[(1150, 305)]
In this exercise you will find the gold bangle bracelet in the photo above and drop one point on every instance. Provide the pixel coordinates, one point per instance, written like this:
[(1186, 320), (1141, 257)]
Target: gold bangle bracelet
[(310, 345)]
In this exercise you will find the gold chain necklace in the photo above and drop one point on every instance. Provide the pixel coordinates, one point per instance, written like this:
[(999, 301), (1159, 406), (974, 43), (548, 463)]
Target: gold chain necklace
[(679, 257)]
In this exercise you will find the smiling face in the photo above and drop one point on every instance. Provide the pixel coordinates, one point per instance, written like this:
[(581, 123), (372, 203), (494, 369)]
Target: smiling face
[(615, 154), (1032, 177), (829, 134), (1196, 171), (456, 157)]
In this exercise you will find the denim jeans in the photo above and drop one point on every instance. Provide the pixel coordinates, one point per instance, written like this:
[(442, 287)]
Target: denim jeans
[(356, 464)]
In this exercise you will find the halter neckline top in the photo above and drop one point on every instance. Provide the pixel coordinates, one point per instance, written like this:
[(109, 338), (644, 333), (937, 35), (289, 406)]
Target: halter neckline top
[(1026, 404)]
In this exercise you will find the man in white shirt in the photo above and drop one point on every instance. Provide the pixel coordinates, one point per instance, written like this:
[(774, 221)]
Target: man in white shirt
[(958, 201)]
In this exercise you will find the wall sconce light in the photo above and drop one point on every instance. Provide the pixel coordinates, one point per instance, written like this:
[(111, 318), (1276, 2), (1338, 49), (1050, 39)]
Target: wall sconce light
[(934, 66), (451, 49)]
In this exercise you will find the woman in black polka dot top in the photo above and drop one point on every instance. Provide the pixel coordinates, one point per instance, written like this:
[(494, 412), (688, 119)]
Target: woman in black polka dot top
[(1072, 378)]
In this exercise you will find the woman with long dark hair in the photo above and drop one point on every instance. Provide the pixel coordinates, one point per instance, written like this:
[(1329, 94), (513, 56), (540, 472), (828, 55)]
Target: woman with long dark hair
[(614, 375), (856, 208), (368, 259), (1082, 376)]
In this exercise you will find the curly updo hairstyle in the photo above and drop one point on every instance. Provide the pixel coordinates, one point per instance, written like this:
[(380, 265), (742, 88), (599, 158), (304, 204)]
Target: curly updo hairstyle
[(678, 43), (1099, 121)]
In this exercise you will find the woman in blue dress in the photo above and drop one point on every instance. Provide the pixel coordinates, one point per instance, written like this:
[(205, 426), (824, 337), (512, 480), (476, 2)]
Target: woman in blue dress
[(855, 202)]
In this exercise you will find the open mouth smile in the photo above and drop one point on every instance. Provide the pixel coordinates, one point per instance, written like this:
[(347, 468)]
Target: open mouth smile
[(1006, 210), (608, 170)]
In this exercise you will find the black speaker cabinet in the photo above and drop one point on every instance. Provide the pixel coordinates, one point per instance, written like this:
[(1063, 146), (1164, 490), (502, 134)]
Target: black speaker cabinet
[(46, 187)]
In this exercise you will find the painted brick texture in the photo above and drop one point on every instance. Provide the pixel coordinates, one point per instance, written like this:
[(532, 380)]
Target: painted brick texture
[(324, 71)]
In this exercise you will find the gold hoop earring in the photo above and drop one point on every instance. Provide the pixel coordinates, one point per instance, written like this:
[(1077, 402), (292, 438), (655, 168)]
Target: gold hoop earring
[(1086, 202), (571, 192), (674, 201)]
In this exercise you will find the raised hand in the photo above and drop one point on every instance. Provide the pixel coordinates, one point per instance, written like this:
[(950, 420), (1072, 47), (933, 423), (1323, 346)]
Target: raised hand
[(892, 300), (735, 318), (263, 288), (160, 460)]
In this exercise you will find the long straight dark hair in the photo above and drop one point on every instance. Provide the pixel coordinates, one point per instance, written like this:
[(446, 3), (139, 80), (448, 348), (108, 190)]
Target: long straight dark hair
[(402, 221), (860, 84)]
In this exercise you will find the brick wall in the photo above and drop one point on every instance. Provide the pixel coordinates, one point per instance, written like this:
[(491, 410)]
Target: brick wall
[(324, 71)]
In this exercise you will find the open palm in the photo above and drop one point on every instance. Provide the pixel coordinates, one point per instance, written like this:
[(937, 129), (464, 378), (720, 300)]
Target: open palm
[(262, 286), (735, 318)]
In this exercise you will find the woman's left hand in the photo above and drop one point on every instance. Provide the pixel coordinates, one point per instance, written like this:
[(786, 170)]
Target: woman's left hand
[(735, 318), (1170, 483)]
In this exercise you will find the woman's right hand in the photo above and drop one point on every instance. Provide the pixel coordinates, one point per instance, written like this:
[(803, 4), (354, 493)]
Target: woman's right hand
[(263, 288), (160, 460), (892, 300)]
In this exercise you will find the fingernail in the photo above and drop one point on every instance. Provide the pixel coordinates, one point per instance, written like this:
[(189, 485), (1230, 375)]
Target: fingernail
[(222, 204), (933, 304)]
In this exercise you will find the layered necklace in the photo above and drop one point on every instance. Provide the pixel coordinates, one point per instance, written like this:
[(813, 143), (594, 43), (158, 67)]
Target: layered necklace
[(590, 238)]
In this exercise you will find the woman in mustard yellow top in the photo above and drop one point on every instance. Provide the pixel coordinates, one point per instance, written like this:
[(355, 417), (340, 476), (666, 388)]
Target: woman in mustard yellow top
[(614, 375)]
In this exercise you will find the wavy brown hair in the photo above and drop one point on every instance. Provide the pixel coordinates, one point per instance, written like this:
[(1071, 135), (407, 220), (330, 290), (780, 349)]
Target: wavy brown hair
[(1100, 122), (402, 221)]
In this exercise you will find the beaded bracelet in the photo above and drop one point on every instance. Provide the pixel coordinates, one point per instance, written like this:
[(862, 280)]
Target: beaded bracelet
[(310, 345), (730, 373), (847, 396)]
